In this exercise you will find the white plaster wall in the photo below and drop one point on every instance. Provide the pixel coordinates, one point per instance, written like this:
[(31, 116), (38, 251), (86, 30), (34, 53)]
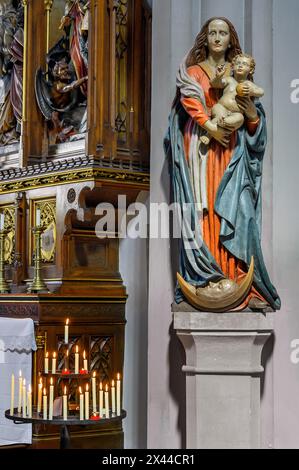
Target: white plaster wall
[(133, 265), (286, 221)]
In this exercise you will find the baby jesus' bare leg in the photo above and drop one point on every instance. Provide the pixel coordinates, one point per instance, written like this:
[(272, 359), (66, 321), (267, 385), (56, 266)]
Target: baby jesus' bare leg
[(223, 117)]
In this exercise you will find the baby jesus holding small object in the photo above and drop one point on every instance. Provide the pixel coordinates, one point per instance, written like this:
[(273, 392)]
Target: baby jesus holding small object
[(226, 112)]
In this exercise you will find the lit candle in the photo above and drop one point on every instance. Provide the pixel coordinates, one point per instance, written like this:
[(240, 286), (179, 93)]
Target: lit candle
[(118, 407), (87, 403), (51, 399), (81, 404), (29, 402), (47, 363), (107, 414), (39, 395), (1, 221), (94, 393), (37, 217), (12, 394), (45, 404), (77, 360), (24, 398), (101, 400), (113, 397), (85, 365), (54, 363), (66, 331), (65, 405), (20, 392)]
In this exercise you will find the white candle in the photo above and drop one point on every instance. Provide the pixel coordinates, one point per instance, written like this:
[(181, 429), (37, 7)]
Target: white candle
[(47, 363), (113, 397), (85, 365), (24, 399), (101, 400), (77, 360), (51, 399), (54, 363), (65, 405), (29, 402), (1, 221), (66, 331), (94, 393), (37, 217), (87, 403), (118, 407), (12, 394), (20, 392), (81, 405), (39, 396), (107, 413), (45, 404)]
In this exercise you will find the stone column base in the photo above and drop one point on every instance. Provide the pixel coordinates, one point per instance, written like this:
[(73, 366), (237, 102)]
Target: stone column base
[(223, 371)]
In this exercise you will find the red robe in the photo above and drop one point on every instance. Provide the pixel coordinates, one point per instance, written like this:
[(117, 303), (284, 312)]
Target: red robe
[(218, 160)]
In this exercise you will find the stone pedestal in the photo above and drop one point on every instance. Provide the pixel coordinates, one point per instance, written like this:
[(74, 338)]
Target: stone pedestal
[(223, 372)]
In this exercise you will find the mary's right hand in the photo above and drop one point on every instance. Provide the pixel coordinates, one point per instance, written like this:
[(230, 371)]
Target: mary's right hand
[(222, 135)]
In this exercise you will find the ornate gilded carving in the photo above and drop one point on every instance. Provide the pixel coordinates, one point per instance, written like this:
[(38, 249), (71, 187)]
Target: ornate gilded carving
[(139, 178), (40, 341), (9, 227), (48, 221)]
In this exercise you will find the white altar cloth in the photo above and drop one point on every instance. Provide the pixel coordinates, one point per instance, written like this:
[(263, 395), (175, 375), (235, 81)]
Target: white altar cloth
[(17, 340)]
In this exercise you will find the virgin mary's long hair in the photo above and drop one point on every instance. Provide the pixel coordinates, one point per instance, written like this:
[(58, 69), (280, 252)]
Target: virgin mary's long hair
[(199, 51)]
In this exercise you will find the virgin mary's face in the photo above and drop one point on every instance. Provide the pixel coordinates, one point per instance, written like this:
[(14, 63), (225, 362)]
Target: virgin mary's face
[(218, 36)]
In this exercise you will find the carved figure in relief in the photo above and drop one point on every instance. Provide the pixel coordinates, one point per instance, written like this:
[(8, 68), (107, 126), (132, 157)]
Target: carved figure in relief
[(226, 111), (57, 100), (62, 98), (223, 268), (11, 69)]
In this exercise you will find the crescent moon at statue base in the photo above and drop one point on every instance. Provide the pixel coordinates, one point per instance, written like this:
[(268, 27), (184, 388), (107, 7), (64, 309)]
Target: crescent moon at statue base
[(204, 300)]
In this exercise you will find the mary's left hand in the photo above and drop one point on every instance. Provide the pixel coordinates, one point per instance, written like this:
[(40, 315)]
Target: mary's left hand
[(247, 107)]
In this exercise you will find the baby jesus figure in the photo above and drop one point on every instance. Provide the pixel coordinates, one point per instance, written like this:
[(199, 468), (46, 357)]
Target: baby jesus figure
[(226, 112)]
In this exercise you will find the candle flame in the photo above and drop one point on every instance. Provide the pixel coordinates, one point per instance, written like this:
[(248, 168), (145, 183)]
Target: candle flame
[(67, 353), (80, 390), (47, 354), (64, 390), (51, 381), (54, 355), (45, 392), (101, 386), (20, 373), (106, 388), (24, 382), (84, 354), (118, 376), (29, 388), (87, 388), (94, 374), (77, 349), (112, 385), (67, 321)]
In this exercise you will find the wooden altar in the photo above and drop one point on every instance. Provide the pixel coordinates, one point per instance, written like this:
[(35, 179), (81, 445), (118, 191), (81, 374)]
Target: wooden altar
[(66, 181)]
